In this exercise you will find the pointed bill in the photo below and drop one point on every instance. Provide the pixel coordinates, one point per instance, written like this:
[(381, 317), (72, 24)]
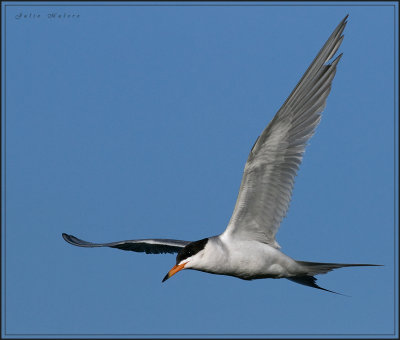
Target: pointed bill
[(173, 271)]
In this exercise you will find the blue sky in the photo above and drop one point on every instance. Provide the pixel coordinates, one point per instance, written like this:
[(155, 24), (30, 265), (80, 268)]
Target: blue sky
[(136, 121)]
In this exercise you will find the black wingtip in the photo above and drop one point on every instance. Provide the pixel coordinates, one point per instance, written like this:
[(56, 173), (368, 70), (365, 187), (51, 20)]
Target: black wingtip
[(337, 59), (344, 20), (342, 24), (66, 237), (71, 239)]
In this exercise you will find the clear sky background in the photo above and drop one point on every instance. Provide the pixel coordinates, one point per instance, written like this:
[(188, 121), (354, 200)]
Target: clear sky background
[(136, 122)]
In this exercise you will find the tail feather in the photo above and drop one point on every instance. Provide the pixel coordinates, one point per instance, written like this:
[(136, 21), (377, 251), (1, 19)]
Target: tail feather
[(315, 268), (310, 282)]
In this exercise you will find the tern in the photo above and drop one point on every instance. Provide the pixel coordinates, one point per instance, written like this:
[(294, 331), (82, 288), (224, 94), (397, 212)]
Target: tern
[(247, 249)]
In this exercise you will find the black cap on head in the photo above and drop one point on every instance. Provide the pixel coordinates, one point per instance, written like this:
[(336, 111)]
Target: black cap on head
[(191, 249)]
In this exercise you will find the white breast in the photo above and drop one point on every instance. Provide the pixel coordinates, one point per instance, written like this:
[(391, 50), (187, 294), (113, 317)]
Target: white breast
[(246, 259)]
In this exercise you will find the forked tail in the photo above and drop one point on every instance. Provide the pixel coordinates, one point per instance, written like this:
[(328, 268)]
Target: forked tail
[(315, 268)]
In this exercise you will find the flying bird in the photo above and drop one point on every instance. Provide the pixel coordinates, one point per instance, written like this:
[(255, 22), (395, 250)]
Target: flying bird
[(247, 249)]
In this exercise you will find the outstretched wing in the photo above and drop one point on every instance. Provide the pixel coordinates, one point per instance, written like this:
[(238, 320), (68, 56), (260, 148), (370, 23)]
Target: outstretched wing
[(272, 165), (148, 246)]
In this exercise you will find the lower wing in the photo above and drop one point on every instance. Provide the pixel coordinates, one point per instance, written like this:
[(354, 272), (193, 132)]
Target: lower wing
[(148, 246)]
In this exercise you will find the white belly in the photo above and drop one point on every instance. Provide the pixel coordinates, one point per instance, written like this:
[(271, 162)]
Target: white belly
[(248, 260)]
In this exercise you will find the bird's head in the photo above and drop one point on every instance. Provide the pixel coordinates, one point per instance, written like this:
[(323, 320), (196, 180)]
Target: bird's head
[(188, 257)]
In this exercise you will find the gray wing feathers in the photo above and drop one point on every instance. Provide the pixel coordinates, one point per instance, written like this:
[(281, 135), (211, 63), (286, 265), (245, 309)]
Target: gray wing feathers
[(148, 246), (274, 160)]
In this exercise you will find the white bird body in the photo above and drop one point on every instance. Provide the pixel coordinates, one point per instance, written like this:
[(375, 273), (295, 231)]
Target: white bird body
[(245, 259), (247, 249)]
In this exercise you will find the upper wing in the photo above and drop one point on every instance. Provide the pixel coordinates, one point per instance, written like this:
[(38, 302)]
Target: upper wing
[(149, 246), (268, 177)]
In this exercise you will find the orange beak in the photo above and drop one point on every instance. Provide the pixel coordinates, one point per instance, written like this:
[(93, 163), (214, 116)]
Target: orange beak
[(173, 271)]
